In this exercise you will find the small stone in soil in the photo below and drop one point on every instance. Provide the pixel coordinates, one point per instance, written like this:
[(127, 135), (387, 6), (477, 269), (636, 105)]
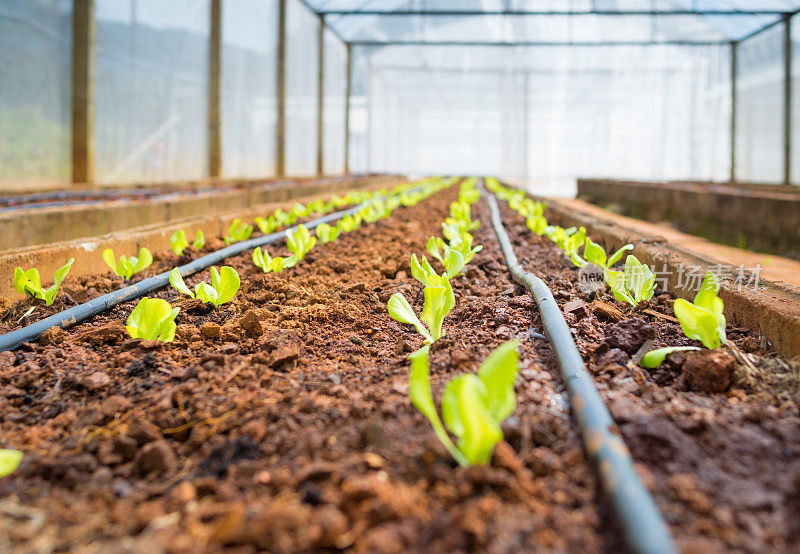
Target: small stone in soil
[(708, 371), (629, 335)]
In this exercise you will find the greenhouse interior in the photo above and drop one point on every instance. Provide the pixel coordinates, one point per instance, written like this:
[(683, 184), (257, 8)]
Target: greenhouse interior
[(399, 276)]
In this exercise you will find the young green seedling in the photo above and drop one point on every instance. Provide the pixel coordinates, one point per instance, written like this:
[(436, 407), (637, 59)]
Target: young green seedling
[(224, 285), (633, 285), (596, 254), (452, 260), (266, 263), (152, 319), (267, 225), (349, 223), (568, 240), (300, 242), (325, 233), (238, 231), (29, 283), (473, 406), (9, 461), (421, 270), (439, 300), (179, 241), (537, 224), (656, 357), (703, 320), (127, 267)]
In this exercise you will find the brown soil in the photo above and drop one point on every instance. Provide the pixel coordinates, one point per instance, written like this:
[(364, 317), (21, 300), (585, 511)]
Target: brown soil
[(281, 421)]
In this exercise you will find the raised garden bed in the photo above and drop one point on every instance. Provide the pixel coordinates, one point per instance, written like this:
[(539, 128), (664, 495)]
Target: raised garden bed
[(281, 421)]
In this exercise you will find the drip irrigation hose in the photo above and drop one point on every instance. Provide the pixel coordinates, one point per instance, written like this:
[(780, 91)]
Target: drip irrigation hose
[(645, 530), (74, 315)]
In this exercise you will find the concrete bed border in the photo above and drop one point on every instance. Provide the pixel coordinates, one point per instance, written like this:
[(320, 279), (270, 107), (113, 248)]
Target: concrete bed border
[(773, 310), (87, 251)]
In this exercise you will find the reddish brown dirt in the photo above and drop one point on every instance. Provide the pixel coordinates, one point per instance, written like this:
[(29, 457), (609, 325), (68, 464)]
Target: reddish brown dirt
[(281, 421)]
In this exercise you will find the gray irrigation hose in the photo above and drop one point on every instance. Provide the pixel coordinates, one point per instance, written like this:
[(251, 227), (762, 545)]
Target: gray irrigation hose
[(72, 316), (645, 530)]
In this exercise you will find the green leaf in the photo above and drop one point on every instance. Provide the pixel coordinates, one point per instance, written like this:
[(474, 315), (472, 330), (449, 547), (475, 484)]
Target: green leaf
[(143, 261), (199, 240), (262, 260), (110, 259), (326, 233), (617, 256), (433, 249), (228, 284), (178, 241), (454, 263), (152, 319), (61, 273), (205, 292), (400, 310), (421, 271), (178, 283), (466, 413), (594, 253), (498, 373), (9, 461), (697, 323), (419, 389), (656, 357)]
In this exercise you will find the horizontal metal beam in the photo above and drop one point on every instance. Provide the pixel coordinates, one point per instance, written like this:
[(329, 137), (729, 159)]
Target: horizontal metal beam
[(539, 43), (622, 13)]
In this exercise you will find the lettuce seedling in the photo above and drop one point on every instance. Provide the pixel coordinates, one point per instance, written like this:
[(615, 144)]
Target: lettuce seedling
[(633, 285), (300, 242), (349, 223), (266, 263), (473, 406), (421, 270), (267, 225), (439, 300), (537, 224), (325, 233), (452, 260), (224, 285), (656, 357), (596, 254), (127, 267), (703, 320), (179, 241), (9, 461), (238, 231), (29, 283), (568, 240), (152, 319)]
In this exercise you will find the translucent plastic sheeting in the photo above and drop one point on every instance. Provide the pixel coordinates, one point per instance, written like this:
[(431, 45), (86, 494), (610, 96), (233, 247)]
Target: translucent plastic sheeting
[(759, 107), (249, 48), (35, 42), (302, 28), (549, 113), (151, 90), (545, 28), (335, 89)]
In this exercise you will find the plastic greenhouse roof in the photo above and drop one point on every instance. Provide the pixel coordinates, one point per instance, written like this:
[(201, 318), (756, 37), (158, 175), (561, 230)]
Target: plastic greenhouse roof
[(535, 22)]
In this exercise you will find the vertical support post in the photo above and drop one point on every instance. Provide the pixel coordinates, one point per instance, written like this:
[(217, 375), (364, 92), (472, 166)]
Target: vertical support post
[(320, 96), (214, 90), (83, 50), (787, 100), (734, 47), (280, 121), (348, 91)]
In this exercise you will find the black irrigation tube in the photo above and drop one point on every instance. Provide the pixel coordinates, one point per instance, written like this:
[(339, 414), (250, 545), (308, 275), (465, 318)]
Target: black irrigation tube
[(644, 528), (74, 315)]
